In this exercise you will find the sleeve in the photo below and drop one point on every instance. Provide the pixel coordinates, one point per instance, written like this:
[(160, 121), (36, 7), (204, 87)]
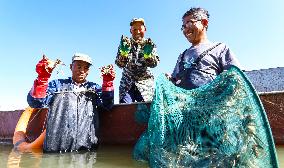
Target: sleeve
[(43, 102), (228, 58), (105, 99), (154, 60), (176, 69), (120, 60)]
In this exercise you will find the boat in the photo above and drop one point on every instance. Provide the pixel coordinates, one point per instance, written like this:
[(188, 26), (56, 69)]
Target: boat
[(119, 127)]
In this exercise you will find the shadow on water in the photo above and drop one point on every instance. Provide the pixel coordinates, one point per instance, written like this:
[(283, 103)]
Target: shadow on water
[(105, 157)]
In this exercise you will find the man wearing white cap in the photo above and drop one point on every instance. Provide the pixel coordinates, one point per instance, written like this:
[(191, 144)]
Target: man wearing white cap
[(73, 103), (136, 56)]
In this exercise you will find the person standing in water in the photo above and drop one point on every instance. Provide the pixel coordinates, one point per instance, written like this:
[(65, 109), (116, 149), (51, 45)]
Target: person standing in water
[(73, 103)]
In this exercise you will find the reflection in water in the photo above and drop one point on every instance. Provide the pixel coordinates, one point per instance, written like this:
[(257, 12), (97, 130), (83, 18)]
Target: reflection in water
[(280, 153), (38, 159), (73, 159), (20, 159), (105, 157)]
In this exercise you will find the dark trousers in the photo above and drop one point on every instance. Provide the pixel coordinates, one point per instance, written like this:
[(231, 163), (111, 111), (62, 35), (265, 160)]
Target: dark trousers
[(132, 95)]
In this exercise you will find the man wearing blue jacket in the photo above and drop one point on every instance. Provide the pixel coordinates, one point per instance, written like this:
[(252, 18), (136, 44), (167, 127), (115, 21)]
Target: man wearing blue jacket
[(72, 121)]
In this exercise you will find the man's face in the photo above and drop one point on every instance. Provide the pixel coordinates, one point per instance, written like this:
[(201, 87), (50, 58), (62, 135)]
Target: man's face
[(137, 30), (80, 71), (193, 29)]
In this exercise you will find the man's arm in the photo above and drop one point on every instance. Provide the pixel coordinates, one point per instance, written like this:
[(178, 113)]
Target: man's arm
[(153, 60), (122, 56), (150, 54), (120, 60), (37, 97), (107, 100), (173, 76), (35, 102), (228, 58), (106, 93)]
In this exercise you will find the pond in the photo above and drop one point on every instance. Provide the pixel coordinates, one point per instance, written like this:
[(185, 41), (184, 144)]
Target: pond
[(105, 157)]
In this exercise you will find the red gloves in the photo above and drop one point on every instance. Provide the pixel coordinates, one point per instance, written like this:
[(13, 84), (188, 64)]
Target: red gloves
[(43, 69), (108, 75)]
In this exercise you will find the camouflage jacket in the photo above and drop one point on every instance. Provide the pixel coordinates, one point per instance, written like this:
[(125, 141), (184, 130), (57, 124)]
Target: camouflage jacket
[(136, 70)]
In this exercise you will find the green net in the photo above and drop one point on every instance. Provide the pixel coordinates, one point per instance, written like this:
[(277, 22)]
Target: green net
[(221, 124)]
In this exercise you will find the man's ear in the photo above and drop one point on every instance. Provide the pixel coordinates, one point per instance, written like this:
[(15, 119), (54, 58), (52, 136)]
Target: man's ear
[(204, 22), (71, 66)]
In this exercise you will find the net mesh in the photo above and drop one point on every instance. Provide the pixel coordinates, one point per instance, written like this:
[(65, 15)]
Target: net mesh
[(220, 124)]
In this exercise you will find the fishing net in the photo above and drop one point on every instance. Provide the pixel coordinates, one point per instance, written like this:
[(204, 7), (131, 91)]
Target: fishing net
[(220, 124)]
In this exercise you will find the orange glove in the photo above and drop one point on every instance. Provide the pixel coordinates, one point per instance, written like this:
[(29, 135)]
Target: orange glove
[(108, 75), (43, 69)]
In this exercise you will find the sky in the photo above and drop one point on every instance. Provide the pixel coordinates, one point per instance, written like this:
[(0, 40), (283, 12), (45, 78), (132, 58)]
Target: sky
[(253, 29)]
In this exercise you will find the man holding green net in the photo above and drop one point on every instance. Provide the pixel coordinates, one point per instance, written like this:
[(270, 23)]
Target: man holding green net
[(208, 114)]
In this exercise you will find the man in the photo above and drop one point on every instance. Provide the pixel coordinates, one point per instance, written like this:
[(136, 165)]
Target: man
[(204, 60), (220, 124), (72, 121), (136, 56)]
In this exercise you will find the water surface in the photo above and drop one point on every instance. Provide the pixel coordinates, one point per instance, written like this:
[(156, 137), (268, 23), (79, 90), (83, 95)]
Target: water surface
[(105, 157)]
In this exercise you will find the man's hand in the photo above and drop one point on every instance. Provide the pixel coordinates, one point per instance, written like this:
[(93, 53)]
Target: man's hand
[(44, 67), (125, 46), (108, 72), (168, 76), (108, 75), (148, 48)]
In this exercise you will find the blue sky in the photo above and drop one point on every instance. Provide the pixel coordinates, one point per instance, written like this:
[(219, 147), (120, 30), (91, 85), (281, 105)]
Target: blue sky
[(253, 30)]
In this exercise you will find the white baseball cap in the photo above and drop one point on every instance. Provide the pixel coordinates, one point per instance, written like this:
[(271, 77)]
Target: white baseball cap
[(137, 20), (82, 57)]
